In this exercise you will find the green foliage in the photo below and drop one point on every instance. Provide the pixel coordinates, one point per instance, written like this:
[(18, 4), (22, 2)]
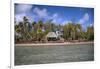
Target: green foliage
[(34, 31), (90, 33)]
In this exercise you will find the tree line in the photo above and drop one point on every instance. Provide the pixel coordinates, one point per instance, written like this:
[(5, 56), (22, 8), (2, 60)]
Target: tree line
[(36, 31)]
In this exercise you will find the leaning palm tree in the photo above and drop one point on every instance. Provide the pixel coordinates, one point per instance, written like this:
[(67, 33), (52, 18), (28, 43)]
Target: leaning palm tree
[(24, 26)]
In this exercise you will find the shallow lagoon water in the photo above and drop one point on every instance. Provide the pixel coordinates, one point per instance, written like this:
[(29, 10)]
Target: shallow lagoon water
[(53, 54)]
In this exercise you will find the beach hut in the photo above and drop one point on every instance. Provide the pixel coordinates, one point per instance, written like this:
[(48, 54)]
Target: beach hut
[(59, 33), (51, 36)]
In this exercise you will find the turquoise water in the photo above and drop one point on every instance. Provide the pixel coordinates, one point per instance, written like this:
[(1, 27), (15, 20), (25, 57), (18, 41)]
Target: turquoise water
[(53, 54)]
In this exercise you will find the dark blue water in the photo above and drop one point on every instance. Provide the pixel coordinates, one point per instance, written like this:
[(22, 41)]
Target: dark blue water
[(53, 54)]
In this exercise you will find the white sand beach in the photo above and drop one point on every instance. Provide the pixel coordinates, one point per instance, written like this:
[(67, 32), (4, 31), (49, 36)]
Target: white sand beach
[(53, 44)]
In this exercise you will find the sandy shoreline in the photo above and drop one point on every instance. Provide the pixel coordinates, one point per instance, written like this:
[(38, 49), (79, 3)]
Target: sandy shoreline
[(53, 44)]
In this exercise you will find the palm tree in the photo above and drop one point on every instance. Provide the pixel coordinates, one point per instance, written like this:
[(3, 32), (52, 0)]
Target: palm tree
[(17, 31), (39, 30), (78, 31), (72, 31), (24, 28), (40, 24), (90, 33), (68, 31)]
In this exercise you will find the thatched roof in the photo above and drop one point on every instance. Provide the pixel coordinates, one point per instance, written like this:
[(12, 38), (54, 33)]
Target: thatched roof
[(52, 34)]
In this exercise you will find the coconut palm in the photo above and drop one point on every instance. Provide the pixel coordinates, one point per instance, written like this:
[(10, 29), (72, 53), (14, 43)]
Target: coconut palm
[(90, 33), (78, 31), (39, 30)]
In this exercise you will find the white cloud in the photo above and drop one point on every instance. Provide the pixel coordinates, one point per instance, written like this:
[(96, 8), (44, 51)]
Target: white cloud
[(22, 8), (66, 22), (21, 11), (56, 18), (84, 19), (81, 21), (19, 17), (91, 24), (41, 13), (55, 15)]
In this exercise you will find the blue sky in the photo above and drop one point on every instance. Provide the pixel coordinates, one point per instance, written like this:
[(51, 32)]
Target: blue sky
[(58, 14)]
